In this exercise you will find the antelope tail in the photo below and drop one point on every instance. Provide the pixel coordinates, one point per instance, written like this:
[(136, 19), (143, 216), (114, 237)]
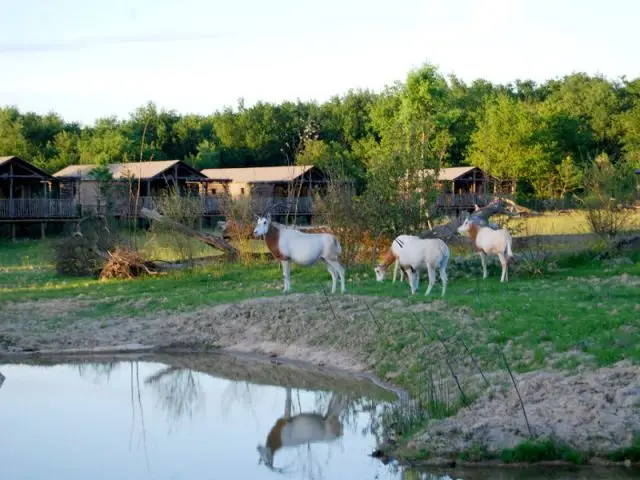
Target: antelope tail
[(445, 257), (338, 246), (508, 248)]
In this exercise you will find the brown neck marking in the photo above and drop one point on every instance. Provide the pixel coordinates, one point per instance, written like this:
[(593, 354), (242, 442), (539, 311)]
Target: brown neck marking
[(274, 439), (271, 238), (388, 259), (473, 233)]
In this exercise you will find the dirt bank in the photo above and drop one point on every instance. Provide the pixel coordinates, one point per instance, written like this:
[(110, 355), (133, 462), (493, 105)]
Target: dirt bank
[(298, 326), (595, 411)]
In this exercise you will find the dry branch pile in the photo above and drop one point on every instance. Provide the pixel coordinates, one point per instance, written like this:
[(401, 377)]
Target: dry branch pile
[(123, 262)]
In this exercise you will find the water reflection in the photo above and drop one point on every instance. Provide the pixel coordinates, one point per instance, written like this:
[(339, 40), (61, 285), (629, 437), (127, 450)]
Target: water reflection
[(2, 377), (179, 392), (97, 371), (303, 428), (305, 424), (124, 407)]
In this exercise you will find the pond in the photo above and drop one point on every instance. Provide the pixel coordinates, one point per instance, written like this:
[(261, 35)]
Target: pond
[(193, 417)]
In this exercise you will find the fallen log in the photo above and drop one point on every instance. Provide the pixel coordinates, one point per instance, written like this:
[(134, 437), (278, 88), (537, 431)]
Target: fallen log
[(480, 216), (212, 241), (166, 265)]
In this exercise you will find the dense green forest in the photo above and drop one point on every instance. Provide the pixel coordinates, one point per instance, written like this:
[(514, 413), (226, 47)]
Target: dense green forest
[(544, 134)]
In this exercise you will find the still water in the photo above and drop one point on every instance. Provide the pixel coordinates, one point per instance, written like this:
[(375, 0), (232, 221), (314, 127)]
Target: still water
[(193, 418)]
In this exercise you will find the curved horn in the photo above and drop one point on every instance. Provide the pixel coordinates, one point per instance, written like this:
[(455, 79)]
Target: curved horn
[(272, 206)]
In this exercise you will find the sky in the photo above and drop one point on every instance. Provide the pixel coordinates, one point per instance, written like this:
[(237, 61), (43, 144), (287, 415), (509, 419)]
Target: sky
[(85, 60)]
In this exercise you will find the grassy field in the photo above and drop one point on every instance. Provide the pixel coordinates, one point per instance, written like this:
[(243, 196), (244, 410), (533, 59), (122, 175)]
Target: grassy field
[(584, 309), (580, 314)]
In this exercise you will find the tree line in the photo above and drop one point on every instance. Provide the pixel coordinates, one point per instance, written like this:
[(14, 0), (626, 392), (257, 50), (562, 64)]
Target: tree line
[(543, 135)]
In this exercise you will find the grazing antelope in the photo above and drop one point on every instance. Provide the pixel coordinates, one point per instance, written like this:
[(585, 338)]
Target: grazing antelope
[(488, 241), (289, 245), (414, 254), (301, 429), (396, 246)]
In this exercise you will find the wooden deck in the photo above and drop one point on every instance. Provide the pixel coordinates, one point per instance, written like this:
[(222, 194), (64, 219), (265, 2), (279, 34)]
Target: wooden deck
[(46, 209), (453, 201), (211, 205), (37, 209)]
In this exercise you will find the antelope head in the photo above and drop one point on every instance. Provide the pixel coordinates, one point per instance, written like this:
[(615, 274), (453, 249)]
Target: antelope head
[(466, 225), (380, 272), (266, 455), (263, 222)]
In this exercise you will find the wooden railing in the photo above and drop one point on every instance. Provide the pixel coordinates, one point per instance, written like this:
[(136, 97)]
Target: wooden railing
[(127, 206), (460, 200), (28, 208)]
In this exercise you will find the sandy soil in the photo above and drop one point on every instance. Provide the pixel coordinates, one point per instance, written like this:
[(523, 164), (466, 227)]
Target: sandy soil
[(597, 410), (296, 326)]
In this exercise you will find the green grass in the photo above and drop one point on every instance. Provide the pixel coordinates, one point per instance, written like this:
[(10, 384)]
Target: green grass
[(572, 222), (632, 452), (541, 451), (584, 310), (582, 313)]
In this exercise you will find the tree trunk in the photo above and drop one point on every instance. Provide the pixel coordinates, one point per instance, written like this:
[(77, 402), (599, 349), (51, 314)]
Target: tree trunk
[(210, 240)]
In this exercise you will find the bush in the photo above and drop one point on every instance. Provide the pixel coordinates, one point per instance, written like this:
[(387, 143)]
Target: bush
[(239, 216), (83, 253), (610, 190)]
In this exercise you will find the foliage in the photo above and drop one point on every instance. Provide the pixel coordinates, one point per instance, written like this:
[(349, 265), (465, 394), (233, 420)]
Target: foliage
[(508, 142), (632, 452), (609, 190), (543, 135), (239, 224), (541, 450), (83, 252), (343, 211)]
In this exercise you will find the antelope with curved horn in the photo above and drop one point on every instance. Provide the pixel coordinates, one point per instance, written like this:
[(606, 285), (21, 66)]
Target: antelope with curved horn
[(488, 241), (414, 254), (290, 245), (301, 429)]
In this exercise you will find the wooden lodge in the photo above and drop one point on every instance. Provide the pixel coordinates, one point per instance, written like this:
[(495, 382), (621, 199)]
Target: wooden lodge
[(130, 186), (295, 184), (29, 194), (461, 188)]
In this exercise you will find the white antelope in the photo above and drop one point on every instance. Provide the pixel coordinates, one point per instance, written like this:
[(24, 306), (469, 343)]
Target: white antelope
[(414, 254), (289, 245), (302, 429), (488, 241), (396, 246)]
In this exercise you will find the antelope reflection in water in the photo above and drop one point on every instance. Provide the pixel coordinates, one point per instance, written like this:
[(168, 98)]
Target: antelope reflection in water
[(2, 377), (303, 428)]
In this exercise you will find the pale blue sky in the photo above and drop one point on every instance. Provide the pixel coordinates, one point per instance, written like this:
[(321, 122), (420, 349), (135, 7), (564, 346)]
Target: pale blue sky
[(286, 49)]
